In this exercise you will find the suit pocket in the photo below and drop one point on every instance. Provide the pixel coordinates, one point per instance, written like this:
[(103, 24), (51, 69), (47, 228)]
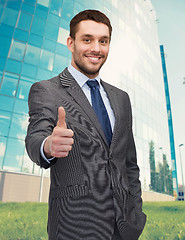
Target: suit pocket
[(132, 228), (69, 191)]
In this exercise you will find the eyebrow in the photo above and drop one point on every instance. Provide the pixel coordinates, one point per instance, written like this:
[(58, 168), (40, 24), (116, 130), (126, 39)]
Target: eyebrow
[(89, 35)]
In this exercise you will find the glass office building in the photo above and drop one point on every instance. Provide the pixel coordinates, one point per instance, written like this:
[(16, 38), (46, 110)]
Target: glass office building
[(33, 47)]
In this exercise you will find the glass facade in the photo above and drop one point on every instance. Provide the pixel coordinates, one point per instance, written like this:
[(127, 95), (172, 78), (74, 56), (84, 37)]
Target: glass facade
[(33, 47)]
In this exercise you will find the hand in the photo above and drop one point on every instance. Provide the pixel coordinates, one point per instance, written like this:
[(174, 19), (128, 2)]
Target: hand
[(59, 143)]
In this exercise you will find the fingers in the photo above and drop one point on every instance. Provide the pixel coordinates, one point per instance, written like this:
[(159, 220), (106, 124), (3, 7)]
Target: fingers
[(60, 142), (61, 118)]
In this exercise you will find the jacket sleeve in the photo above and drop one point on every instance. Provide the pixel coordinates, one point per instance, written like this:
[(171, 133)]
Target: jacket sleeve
[(42, 112), (131, 165)]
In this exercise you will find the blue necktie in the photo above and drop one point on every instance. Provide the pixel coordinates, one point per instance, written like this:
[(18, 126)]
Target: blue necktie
[(99, 108)]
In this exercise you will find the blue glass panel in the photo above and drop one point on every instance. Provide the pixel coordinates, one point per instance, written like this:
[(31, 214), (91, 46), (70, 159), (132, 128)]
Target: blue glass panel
[(24, 21), (29, 71), (13, 66), (4, 46), (41, 12), (51, 31), (43, 3), (32, 55), (78, 7), (2, 149), (1, 11), (56, 7), (46, 60), (38, 26), (60, 63), (35, 40), (14, 154), (2, 63), (14, 4), (4, 123), (53, 19), (62, 49), (1, 74), (27, 79), (9, 85), (21, 35), (9, 16), (27, 8), (49, 44), (17, 50), (54, 74), (23, 89), (67, 9), (21, 106), (64, 24), (6, 103), (32, 2), (6, 30), (43, 74), (18, 126)]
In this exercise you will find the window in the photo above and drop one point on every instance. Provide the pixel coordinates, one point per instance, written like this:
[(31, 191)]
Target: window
[(38, 26), (21, 106), (60, 63), (18, 126), (29, 71), (17, 50), (62, 36), (4, 46), (51, 31), (23, 89), (24, 21), (13, 66), (9, 85), (14, 154), (32, 55), (6, 103), (10, 16), (46, 60), (4, 123)]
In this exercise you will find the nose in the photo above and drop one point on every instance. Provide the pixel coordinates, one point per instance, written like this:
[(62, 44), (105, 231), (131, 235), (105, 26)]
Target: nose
[(95, 46)]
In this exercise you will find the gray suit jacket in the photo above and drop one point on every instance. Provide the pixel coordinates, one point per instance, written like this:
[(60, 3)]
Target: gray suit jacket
[(95, 186)]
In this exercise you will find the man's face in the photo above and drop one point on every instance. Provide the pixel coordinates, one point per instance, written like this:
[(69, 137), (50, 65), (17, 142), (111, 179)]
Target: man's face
[(90, 47)]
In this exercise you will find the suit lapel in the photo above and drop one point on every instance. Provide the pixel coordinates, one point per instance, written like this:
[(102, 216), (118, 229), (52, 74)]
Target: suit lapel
[(78, 95)]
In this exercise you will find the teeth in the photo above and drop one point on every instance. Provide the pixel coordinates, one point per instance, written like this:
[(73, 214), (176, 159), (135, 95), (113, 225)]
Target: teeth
[(94, 58)]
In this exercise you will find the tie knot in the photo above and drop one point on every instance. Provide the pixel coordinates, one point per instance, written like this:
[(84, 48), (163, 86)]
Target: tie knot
[(93, 83)]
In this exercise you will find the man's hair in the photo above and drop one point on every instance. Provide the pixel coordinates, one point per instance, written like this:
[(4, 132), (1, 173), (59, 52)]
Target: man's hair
[(93, 15)]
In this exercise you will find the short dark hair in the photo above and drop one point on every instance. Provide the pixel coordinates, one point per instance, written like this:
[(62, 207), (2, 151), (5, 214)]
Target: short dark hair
[(93, 15)]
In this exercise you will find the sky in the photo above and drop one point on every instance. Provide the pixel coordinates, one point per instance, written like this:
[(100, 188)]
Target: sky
[(171, 29)]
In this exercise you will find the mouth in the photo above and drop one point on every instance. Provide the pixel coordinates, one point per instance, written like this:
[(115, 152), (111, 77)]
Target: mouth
[(94, 59)]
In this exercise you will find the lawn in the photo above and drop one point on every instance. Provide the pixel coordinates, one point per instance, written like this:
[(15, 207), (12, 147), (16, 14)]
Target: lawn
[(28, 221)]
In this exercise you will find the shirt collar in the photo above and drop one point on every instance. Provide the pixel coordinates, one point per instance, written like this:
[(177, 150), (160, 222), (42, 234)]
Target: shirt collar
[(80, 77)]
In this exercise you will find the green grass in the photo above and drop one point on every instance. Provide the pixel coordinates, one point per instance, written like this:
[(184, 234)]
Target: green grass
[(23, 221), (28, 221), (165, 220)]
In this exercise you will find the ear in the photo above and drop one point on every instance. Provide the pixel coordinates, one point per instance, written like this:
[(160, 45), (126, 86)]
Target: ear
[(70, 43)]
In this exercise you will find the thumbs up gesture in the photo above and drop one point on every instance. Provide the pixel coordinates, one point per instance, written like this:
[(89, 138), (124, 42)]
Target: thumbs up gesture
[(60, 142)]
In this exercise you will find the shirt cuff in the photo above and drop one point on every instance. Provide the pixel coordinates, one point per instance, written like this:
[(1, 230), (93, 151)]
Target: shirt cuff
[(48, 160)]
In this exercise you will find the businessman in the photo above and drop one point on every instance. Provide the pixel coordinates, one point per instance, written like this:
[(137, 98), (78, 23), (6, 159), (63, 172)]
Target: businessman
[(81, 128)]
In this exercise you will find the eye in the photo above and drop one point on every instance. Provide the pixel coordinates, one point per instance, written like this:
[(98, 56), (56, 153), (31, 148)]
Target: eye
[(86, 40), (104, 41)]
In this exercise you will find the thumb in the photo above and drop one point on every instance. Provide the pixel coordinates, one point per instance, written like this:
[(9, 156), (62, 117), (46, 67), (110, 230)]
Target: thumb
[(61, 118)]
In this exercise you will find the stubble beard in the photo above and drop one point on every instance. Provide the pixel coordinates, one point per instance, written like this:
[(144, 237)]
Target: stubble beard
[(81, 65)]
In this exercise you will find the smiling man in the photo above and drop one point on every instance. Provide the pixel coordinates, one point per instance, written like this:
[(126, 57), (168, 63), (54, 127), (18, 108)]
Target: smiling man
[(81, 128)]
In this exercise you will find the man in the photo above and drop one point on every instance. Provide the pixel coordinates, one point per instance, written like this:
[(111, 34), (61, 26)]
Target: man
[(95, 191)]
